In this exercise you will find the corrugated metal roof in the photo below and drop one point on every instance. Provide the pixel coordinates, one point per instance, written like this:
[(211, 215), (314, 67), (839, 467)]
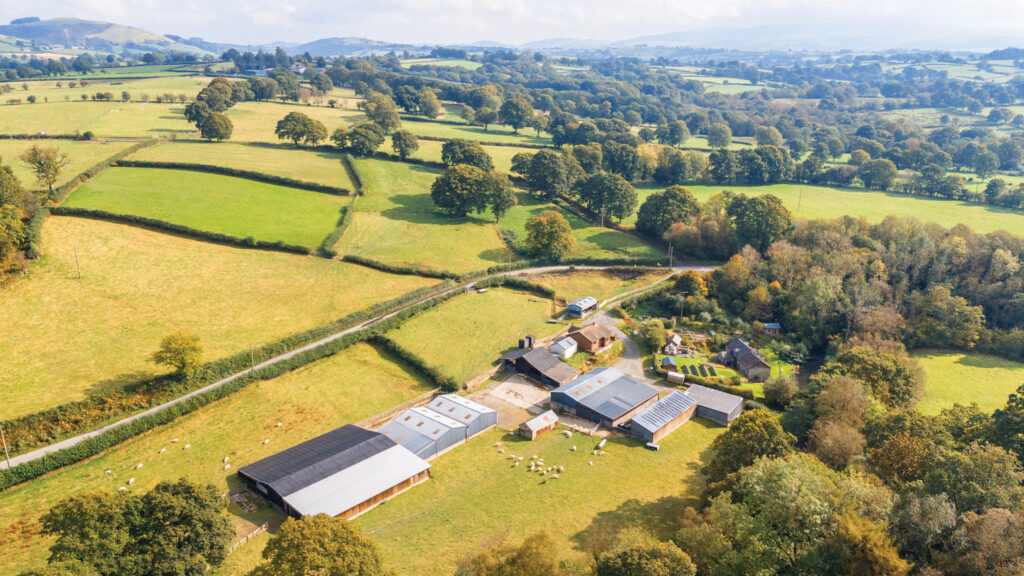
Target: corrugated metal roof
[(543, 421), (305, 464), (664, 411), (714, 399), (563, 345), (584, 303), (608, 392), (357, 483), (458, 408), (549, 365), (772, 326)]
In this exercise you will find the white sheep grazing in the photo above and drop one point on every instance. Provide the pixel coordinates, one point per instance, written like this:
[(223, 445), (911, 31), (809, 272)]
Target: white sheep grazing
[(561, 468), (515, 464), (107, 471), (501, 450), (497, 443), (602, 452), (266, 441), (138, 466), (226, 459), (162, 450), (543, 472), (534, 457), (227, 466), (594, 453), (187, 446), (121, 489), (554, 476), (591, 463), (573, 447), (131, 481), (520, 459), (278, 425), (175, 441)]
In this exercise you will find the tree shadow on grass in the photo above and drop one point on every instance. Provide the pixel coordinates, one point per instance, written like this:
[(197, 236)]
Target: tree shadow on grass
[(613, 241), (419, 209), (499, 255), (117, 383), (660, 517)]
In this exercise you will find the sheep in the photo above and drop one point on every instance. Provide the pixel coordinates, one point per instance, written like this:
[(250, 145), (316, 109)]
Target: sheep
[(573, 448), (602, 452), (175, 441), (543, 472), (121, 489), (227, 466), (226, 458), (497, 443), (555, 476), (187, 446), (561, 468), (266, 441), (138, 466), (107, 471), (278, 425), (591, 462), (162, 450), (131, 481), (501, 450)]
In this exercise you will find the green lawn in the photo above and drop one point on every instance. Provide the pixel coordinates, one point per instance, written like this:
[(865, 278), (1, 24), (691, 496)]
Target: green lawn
[(959, 378), (65, 337), (431, 150), (307, 165), (475, 495), (104, 119), (355, 384), (396, 222), (234, 206), (592, 241), (824, 202), (81, 155), (465, 336)]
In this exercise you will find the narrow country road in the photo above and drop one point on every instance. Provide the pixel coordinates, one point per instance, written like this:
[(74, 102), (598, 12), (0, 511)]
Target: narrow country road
[(74, 440)]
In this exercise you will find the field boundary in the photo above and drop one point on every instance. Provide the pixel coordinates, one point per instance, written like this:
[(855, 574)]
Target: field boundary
[(236, 173), (61, 192)]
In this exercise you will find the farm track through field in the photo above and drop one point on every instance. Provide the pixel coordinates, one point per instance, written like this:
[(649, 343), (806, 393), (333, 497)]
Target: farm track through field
[(71, 442)]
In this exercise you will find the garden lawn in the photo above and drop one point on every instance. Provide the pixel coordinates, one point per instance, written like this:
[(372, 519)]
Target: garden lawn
[(592, 241), (959, 378), (355, 384), (285, 161), (65, 337), (465, 336), (256, 121), (826, 202), (81, 156), (475, 495), (237, 207), (396, 222), (103, 119), (596, 283)]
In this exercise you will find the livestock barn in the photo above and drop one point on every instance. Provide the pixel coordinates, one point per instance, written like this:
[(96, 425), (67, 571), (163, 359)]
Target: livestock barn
[(605, 396), (476, 417), (663, 417), (715, 405), (541, 365), (425, 433), (344, 472)]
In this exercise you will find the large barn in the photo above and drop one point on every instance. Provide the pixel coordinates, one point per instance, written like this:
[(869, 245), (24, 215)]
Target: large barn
[(663, 417), (425, 433), (477, 417), (715, 405), (344, 472), (605, 396)]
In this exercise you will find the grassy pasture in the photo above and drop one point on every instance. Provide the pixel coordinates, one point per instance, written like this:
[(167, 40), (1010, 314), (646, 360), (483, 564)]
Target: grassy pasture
[(255, 121), (66, 338), (81, 156), (959, 378), (443, 62), (592, 241), (431, 150), (215, 203), (475, 495), (828, 202), (494, 132), (596, 283), (355, 384), (47, 90), (396, 222), (309, 165), (104, 119), (465, 336)]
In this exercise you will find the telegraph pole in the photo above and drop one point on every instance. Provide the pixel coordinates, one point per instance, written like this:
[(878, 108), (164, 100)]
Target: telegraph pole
[(7, 455), (77, 267)]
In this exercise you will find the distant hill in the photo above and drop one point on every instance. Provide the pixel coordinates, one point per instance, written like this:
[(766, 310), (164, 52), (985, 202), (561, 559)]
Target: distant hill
[(90, 35)]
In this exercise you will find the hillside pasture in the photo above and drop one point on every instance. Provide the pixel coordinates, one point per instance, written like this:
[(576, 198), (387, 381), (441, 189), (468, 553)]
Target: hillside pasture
[(65, 337), (475, 496), (501, 155), (441, 62), (355, 384), (596, 283), (81, 156), (396, 222), (48, 91), (465, 336), (494, 132), (237, 207), (103, 119), (282, 160), (959, 378), (255, 121)]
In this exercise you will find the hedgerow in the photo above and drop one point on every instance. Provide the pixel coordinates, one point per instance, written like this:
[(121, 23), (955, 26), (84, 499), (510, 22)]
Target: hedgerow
[(234, 172), (61, 192)]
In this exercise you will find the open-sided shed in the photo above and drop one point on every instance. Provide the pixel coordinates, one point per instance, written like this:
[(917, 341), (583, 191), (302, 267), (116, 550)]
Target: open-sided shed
[(582, 306), (604, 395)]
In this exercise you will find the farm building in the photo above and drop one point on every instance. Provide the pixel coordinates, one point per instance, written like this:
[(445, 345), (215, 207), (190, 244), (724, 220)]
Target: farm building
[(663, 417), (669, 363), (592, 337), (604, 395), (740, 355), (582, 306), (425, 433), (342, 473), (538, 425), (476, 417), (715, 405), (564, 348), (540, 365), (773, 328), (676, 377)]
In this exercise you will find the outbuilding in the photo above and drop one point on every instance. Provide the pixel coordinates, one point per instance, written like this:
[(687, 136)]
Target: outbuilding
[(538, 425), (476, 417), (604, 395), (592, 337), (343, 473), (583, 306), (540, 365), (773, 328), (669, 363), (663, 417), (425, 433), (564, 348), (715, 405)]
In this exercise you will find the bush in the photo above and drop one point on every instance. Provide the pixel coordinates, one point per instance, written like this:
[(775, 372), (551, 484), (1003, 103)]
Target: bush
[(779, 392), (34, 232), (247, 174), (399, 269)]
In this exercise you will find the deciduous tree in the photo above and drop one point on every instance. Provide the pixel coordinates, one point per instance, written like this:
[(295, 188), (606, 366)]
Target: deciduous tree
[(180, 351), (320, 545), (549, 236)]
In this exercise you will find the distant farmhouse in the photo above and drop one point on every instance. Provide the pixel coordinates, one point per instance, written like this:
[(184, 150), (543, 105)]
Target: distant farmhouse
[(582, 307), (605, 396), (539, 364), (592, 337), (344, 472), (739, 355)]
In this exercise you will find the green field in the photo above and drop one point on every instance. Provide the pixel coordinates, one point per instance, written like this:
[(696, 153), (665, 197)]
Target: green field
[(431, 150), (959, 378), (355, 384), (592, 241), (81, 155), (465, 336), (234, 206), (475, 495), (494, 132), (825, 202), (255, 121), (308, 165), (396, 222), (443, 62), (47, 90), (104, 119), (600, 285), (65, 337)]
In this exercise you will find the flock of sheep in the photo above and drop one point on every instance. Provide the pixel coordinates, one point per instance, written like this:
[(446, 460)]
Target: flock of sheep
[(537, 465)]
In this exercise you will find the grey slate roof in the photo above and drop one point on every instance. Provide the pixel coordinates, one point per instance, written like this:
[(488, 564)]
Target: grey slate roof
[(714, 399), (542, 421), (608, 392), (549, 365), (313, 460), (664, 411)]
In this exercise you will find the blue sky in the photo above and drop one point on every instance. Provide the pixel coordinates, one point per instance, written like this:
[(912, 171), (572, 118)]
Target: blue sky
[(520, 21)]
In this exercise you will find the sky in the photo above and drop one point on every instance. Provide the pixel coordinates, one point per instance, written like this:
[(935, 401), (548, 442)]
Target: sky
[(522, 21)]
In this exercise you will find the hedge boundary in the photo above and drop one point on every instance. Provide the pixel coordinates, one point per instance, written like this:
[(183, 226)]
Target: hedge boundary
[(236, 173), (485, 143), (444, 382), (401, 269), (61, 192), (516, 283), (163, 226), (34, 233)]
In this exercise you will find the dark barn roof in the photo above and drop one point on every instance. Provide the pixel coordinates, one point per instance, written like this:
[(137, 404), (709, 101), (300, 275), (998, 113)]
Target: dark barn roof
[(549, 365), (608, 392), (714, 399), (316, 459)]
